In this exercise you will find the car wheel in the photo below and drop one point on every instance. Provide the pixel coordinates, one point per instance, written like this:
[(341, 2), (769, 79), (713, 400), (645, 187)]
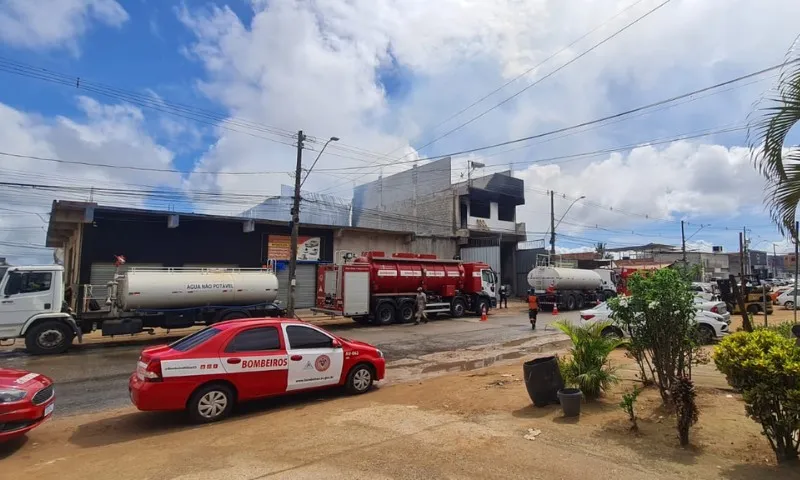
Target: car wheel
[(211, 403), (360, 379), (789, 305), (611, 332), (385, 313), (49, 337), (705, 334), (457, 308), (406, 312)]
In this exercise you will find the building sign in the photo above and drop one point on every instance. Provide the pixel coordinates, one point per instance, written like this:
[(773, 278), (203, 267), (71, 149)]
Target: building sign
[(279, 247)]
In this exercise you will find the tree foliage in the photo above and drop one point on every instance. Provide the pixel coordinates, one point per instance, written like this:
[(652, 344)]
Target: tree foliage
[(659, 317), (588, 367), (765, 366), (777, 161)]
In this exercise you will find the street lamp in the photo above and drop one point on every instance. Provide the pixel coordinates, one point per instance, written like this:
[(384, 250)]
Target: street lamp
[(332, 139), (553, 225)]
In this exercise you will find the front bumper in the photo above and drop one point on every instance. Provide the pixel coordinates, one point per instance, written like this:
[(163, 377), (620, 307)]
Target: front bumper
[(24, 418)]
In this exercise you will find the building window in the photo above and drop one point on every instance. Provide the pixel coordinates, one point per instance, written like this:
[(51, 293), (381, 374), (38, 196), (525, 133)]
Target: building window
[(506, 211), (479, 209)]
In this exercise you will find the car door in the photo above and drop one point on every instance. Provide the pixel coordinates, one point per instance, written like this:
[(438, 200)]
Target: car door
[(255, 361), (24, 294), (314, 361)]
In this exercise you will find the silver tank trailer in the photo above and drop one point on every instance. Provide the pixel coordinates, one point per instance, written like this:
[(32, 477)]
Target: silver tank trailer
[(164, 289), (540, 278)]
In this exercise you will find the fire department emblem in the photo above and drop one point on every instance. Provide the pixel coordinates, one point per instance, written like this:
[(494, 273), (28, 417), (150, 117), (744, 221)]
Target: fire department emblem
[(322, 363)]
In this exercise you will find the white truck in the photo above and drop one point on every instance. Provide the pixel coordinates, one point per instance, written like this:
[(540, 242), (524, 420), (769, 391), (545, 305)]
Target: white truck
[(33, 305), (571, 288)]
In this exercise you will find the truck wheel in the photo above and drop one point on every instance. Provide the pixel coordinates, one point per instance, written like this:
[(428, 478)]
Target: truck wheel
[(457, 308), (570, 302), (385, 314), (49, 337), (406, 311), (210, 403), (753, 308), (234, 316), (581, 302), (481, 305)]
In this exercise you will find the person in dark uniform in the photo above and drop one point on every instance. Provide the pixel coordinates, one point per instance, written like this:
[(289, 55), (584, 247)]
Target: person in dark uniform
[(503, 297)]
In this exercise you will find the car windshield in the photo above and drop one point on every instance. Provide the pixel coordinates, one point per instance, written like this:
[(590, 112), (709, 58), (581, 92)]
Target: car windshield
[(193, 340)]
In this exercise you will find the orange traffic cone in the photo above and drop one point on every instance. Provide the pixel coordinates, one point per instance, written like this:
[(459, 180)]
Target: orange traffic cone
[(483, 314), (555, 309)]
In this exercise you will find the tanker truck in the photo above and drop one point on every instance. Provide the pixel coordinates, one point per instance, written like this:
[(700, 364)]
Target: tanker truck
[(571, 288), (33, 306), (380, 289)]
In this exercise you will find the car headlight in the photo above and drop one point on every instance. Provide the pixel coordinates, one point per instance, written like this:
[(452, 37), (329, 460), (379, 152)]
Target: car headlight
[(11, 395)]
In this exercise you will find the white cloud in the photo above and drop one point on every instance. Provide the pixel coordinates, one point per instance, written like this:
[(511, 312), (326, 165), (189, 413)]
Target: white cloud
[(55, 23), (109, 134)]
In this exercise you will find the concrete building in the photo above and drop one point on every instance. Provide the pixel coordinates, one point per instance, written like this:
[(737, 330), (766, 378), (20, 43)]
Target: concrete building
[(479, 213), (92, 235)]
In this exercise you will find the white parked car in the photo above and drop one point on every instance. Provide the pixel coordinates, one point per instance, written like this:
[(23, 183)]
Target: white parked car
[(786, 299), (711, 326), (713, 306), (702, 290)]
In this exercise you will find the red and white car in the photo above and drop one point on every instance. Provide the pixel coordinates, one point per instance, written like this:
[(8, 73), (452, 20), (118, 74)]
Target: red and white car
[(210, 370), (26, 400)]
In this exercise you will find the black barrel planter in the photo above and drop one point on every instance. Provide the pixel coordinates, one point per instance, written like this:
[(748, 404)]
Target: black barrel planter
[(570, 399), (543, 380)]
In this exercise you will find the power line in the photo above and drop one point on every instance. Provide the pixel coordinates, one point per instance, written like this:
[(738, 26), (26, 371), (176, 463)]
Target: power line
[(570, 62)]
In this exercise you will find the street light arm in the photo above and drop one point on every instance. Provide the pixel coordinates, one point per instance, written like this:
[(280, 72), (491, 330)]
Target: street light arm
[(568, 209), (332, 139)]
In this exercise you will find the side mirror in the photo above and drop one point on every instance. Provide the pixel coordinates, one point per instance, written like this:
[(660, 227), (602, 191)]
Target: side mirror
[(336, 344)]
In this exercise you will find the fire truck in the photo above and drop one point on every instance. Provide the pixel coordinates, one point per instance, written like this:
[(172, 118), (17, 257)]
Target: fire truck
[(381, 289)]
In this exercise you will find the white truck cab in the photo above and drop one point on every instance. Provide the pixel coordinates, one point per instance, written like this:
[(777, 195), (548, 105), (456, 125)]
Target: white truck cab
[(31, 308)]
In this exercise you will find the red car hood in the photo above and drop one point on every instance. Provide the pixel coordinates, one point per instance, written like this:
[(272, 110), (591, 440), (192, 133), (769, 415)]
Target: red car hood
[(359, 344), (22, 380)]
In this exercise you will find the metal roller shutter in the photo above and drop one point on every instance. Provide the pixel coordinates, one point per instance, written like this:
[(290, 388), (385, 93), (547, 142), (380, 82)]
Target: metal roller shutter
[(306, 291), (101, 273)]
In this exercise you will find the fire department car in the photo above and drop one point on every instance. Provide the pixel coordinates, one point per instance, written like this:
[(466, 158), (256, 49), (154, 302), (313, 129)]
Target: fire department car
[(26, 400), (238, 360)]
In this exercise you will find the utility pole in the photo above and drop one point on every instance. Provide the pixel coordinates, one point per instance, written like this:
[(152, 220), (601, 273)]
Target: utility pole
[(552, 224), (683, 244), (746, 263), (295, 225), (741, 292), (775, 262)]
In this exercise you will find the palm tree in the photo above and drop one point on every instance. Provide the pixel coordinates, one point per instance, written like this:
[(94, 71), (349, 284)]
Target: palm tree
[(600, 249), (777, 161), (588, 367)]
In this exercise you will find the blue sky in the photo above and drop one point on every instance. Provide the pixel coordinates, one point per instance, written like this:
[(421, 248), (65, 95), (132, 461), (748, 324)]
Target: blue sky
[(383, 75)]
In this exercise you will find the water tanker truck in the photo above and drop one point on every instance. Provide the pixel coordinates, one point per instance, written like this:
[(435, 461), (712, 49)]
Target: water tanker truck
[(33, 305), (380, 289), (571, 288)]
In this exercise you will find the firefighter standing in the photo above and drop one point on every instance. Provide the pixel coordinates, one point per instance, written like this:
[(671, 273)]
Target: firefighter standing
[(533, 308), (503, 296), (422, 300)]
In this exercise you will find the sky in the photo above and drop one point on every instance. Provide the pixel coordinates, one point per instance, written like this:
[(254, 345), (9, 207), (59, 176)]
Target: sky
[(195, 106)]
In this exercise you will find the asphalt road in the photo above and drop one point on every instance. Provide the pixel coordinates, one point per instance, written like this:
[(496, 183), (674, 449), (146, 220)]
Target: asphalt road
[(94, 377)]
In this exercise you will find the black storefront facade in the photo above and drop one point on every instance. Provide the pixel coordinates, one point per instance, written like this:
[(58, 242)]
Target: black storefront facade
[(92, 236)]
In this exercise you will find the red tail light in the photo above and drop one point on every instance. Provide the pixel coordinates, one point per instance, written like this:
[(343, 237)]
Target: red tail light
[(587, 317), (714, 309), (153, 371)]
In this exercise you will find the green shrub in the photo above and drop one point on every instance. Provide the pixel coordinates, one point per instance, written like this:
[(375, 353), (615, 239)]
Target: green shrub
[(765, 366), (628, 405), (588, 368), (784, 329)]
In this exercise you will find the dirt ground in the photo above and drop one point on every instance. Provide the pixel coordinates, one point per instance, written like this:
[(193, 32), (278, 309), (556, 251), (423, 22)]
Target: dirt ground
[(466, 425)]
